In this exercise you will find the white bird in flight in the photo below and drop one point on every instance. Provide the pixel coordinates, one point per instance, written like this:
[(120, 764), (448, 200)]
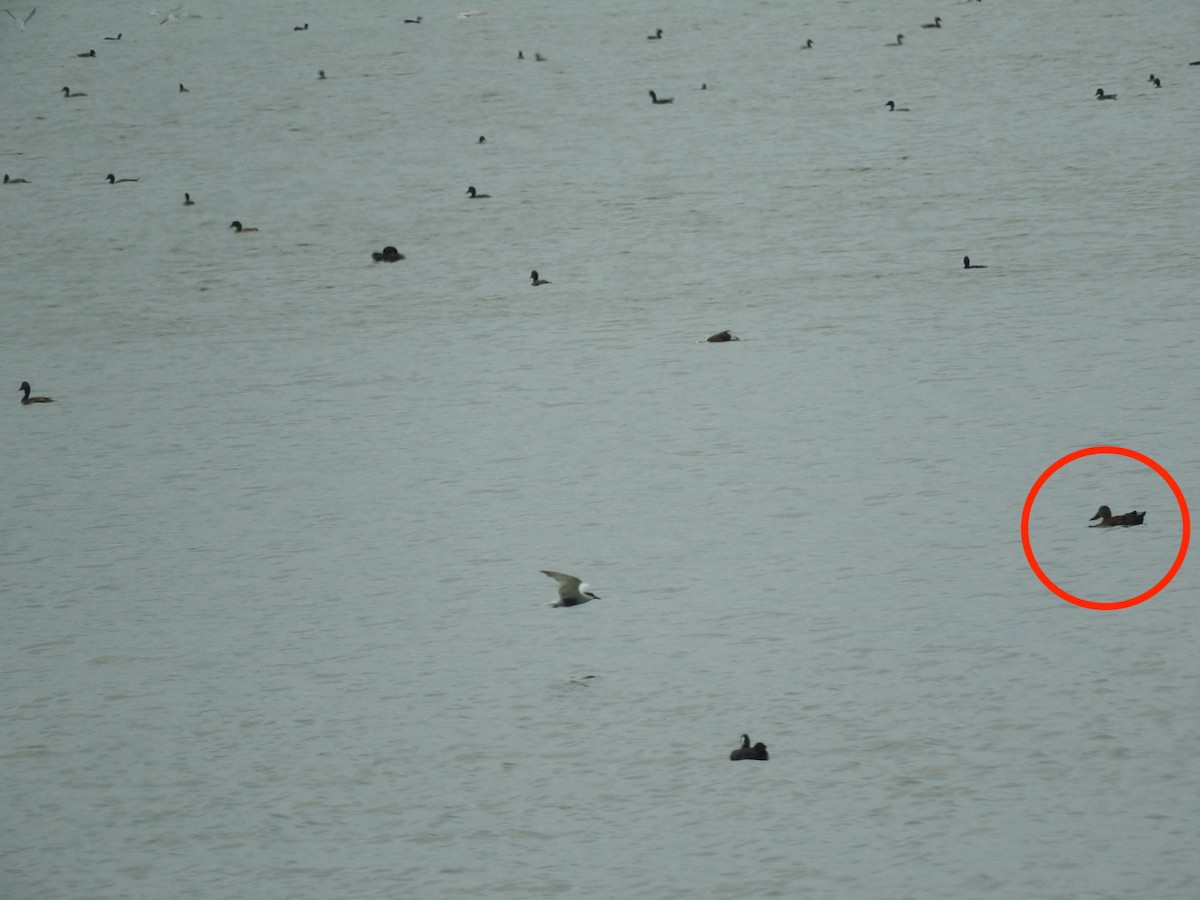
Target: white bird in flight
[(21, 22), (571, 591)]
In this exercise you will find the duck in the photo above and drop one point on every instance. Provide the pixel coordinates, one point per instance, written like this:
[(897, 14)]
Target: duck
[(321, 75), (113, 179), (67, 93), (807, 45), (899, 42), (657, 36), (8, 180), (936, 23), (188, 201), (389, 254), (1108, 520), (537, 57), (721, 337), (1158, 82), (182, 89), (654, 99), (87, 55), (967, 264), (475, 196), (520, 54), (571, 591), (240, 228), (1151, 78), (533, 277), (299, 28), (758, 751), (117, 38), (892, 107), (416, 21), (26, 400), (482, 140), (1100, 95)]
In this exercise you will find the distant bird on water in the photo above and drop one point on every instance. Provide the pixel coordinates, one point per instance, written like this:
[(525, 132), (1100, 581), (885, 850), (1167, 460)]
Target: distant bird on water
[(241, 229), (899, 42), (1100, 95), (8, 180), (967, 264), (654, 99), (389, 254), (117, 38), (182, 89), (571, 591), (90, 53), (26, 400), (1108, 520), (533, 276), (416, 21), (721, 337), (758, 751), (66, 92), (471, 192), (657, 36), (188, 201), (892, 107), (298, 28), (936, 23), (113, 179)]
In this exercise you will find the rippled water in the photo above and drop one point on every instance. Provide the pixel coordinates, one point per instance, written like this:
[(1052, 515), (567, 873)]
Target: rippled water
[(274, 621)]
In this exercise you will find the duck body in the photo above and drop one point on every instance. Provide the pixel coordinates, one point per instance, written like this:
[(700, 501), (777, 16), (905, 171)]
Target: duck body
[(182, 89), (474, 195), (388, 254), (654, 98), (301, 28), (416, 21), (88, 55), (721, 337), (66, 92), (240, 228), (1108, 520), (188, 201), (758, 751), (936, 23), (657, 36), (26, 400), (113, 179), (899, 42), (533, 277), (571, 591), (1100, 95), (8, 180), (967, 264), (892, 107), (807, 45)]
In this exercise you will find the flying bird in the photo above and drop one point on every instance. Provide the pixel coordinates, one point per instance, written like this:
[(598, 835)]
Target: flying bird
[(21, 22), (571, 591)]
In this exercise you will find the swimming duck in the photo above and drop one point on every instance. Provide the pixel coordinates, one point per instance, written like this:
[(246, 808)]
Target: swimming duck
[(520, 54), (117, 38), (571, 591), (654, 99), (892, 107), (482, 139), (1100, 95), (321, 75), (182, 89), (1158, 82), (537, 57), (807, 45), (113, 179), (67, 93), (936, 23), (899, 42), (8, 180), (474, 196), (416, 21), (533, 276), (720, 337), (967, 264), (240, 228), (758, 751), (90, 53), (1108, 520), (188, 201), (657, 36), (26, 400), (389, 254), (298, 28)]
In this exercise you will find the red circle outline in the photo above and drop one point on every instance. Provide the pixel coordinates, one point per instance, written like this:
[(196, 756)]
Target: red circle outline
[(1092, 604)]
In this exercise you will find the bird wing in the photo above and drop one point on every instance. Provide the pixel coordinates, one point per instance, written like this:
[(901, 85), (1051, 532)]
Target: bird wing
[(568, 585)]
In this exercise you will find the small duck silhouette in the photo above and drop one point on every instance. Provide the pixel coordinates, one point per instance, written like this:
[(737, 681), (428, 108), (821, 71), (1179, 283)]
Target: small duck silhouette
[(26, 400), (8, 180), (241, 229), (1100, 95), (936, 23), (476, 196), (758, 751), (188, 201), (892, 107), (66, 92), (533, 277), (721, 337), (300, 28), (1108, 520), (967, 264), (654, 99), (113, 179), (389, 254), (88, 55), (657, 36)]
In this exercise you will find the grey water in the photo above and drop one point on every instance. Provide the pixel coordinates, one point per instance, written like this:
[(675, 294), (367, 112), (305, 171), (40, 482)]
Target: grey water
[(273, 621)]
